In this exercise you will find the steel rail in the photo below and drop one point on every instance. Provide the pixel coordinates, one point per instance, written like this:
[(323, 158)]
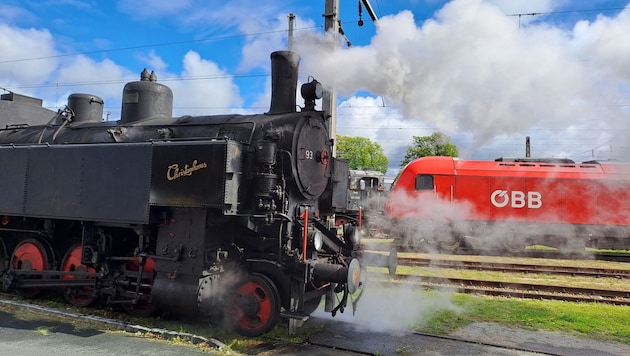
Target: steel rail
[(519, 290), (515, 267)]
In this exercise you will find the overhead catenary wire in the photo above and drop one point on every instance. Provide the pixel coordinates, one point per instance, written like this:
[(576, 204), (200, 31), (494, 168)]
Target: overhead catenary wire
[(163, 44)]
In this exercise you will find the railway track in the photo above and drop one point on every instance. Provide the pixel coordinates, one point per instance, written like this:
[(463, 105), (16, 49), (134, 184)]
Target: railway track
[(507, 289), (549, 254), (511, 289), (514, 267)]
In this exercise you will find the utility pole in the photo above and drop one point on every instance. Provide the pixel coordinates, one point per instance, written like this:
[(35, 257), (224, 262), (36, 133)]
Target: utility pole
[(329, 99), (291, 26)]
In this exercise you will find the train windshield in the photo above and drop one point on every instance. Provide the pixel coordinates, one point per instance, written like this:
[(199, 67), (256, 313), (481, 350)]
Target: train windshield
[(368, 183)]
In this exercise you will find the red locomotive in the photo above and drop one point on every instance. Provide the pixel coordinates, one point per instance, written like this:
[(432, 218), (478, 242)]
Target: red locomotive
[(512, 202)]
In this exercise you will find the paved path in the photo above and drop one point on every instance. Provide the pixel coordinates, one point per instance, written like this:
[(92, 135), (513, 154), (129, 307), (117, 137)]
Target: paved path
[(26, 337)]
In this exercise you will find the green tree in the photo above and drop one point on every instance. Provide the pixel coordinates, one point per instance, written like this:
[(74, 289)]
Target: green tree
[(437, 144), (361, 153)]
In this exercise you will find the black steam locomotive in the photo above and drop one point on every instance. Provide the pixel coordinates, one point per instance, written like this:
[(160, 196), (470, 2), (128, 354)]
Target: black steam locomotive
[(215, 215)]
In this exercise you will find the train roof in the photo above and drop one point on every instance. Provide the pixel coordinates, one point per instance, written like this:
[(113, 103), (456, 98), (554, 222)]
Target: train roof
[(533, 159), (514, 166), (365, 173)]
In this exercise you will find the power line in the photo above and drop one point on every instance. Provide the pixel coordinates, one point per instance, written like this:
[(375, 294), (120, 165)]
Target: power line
[(122, 81), (592, 150), (566, 11), (220, 38)]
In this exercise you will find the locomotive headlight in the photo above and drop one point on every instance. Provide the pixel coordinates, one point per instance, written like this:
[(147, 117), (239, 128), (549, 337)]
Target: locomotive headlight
[(318, 240), (312, 90)]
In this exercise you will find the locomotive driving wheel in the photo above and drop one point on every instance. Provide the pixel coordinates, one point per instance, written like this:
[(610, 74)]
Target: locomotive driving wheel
[(513, 246), (449, 246), (77, 296), (255, 305), (142, 307), (30, 255)]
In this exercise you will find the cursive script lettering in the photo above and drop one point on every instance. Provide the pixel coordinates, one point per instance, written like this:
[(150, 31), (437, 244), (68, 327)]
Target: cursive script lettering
[(173, 172)]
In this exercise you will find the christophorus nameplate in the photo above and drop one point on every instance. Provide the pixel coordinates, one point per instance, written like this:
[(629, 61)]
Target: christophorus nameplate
[(192, 174)]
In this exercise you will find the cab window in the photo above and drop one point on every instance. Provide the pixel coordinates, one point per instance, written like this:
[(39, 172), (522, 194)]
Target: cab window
[(424, 182)]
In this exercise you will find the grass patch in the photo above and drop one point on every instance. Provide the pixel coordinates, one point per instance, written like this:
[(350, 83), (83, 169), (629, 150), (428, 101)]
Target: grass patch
[(588, 320), (43, 331), (607, 283)]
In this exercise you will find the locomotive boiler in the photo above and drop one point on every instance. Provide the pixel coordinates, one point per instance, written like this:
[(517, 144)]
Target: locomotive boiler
[(511, 203), (213, 215)]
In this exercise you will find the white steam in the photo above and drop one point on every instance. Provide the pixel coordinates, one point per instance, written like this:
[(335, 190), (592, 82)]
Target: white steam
[(393, 309), (474, 70)]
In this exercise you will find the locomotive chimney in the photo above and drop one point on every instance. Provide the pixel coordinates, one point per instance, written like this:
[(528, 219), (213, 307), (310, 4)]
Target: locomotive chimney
[(284, 74)]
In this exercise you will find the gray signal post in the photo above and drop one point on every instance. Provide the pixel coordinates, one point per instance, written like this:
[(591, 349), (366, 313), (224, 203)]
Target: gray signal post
[(331, 24), (329, 99)]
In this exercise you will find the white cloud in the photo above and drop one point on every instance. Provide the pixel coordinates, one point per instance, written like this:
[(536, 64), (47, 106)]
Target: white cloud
[(256, 50), (510, 7), (206, 87), (18, 45), (10, 13), (153, 61), (81, 74)]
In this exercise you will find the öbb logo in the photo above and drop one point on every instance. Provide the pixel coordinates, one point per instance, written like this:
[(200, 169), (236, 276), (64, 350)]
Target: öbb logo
[(516, 199)]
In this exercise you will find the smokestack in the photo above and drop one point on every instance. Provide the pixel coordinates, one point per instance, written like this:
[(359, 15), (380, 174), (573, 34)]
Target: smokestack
[(284, 73)]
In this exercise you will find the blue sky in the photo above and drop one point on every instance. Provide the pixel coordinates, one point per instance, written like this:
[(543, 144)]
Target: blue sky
[(475, 70)]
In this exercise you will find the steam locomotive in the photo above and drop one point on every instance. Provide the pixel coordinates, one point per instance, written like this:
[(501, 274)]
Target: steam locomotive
[(359, 199), (511, 203), (212, 215)]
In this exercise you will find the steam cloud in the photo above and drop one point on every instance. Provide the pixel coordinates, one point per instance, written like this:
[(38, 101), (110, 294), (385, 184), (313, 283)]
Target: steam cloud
[(473, 71)]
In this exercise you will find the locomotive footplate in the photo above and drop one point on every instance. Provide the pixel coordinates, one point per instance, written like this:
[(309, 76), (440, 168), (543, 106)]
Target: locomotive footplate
[(14, 279)]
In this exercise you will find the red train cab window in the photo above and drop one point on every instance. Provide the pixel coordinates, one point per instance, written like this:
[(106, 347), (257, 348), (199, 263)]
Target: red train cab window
[(424, 182)]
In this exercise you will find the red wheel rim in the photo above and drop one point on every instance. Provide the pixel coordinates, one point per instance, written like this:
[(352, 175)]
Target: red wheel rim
[(149, 265), (79, 296), (30, 255), (256, 306)]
